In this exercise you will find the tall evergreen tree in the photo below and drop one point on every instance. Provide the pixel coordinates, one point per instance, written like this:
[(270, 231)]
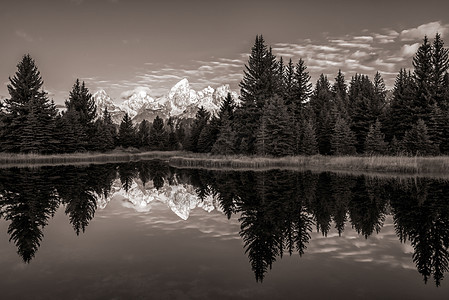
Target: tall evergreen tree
[(201, 119), (423, 75), (320, 106), (226, 138), (289, 83), (126, 133), (309, 144), (343, 139), (258, 84), (302, 89), (375, 140), (275, 136), (28, 112), (440, 62), (417, 140), (143, 134), (340, 93), (81, 102), (401, 114), (158, 135)]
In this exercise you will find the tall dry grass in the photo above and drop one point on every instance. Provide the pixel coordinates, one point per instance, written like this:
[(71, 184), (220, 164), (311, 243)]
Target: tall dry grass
[(380, 164), (9, 160), (388, 164)]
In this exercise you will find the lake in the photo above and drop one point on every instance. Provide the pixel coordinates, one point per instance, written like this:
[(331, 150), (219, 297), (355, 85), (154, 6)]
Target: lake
[(146, 230)]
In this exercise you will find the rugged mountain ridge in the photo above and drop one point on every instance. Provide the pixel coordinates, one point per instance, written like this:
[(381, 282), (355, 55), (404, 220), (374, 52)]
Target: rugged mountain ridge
[(181, 101)]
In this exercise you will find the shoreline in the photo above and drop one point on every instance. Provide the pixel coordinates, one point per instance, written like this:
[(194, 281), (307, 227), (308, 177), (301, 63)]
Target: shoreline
[(366, 164)]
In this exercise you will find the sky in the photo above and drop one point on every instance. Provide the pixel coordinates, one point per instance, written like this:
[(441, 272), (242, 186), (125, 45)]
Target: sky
[(121, 46)]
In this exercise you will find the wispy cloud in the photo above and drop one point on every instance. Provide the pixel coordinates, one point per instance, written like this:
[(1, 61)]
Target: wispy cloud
[(24, 35), (385, 51), (429, 29)]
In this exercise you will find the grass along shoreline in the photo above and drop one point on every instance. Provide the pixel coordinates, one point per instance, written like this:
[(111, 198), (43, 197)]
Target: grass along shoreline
[(380, 164), (23, 160)]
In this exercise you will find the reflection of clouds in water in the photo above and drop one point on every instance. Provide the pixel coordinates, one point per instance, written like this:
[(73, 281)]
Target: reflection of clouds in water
[(381, 248), (177, 207), (157, 210)]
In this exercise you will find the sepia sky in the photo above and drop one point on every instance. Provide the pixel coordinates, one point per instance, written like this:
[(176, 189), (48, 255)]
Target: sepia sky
[(123, 45)]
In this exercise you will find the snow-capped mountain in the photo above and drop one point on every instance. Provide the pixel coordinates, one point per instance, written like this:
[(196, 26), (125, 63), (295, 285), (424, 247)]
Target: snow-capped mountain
[(181, 101), (102, 100), (180, 198)]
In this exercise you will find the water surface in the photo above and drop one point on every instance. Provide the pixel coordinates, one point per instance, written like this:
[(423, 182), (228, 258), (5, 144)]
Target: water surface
[(149, 231)]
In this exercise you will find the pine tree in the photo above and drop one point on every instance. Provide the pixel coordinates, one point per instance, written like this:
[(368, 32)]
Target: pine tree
[(423, 74), (401, 115), (227, 107), (380, 93), (39, 129), (395, 147), (158, 135), (289, 83), (258, 84), (309, 144), (417, 140), (275, 136), (320, 106), (172, 143), (81, 102), (440, 62), (343, 139), (340, 93), (71, 134), (201, 118), (110, 130), (375, 140), (26, 96), (226, 138), (363, 111), (281, 77), (302, 88), (126, 133), (143, 134)]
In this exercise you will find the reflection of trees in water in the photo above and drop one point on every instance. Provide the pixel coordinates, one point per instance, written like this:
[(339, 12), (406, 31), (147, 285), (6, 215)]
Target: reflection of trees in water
[(28, 201), (277, 209), (30, 197), (421, 214)]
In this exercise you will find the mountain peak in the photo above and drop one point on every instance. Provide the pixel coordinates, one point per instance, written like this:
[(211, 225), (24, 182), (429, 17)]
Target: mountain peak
[(181, 101)]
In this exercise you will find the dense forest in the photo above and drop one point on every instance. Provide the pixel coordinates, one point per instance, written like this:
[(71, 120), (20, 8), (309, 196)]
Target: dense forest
[(279, 113)]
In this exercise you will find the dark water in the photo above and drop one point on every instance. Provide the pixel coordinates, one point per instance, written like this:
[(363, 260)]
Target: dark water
[(150, 231)]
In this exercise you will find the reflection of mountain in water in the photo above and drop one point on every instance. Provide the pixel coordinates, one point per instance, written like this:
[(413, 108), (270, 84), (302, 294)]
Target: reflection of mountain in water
[(277, 210), (180, 198)]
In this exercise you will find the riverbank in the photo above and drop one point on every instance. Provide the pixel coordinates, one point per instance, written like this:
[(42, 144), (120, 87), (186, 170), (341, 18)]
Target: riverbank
[(380, 164), (21, 160)]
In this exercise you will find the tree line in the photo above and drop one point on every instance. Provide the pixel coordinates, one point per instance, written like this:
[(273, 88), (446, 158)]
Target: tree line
[(279, 113)]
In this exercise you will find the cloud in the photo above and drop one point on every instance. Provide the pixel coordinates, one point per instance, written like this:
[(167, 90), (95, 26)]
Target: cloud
[(429, 29), (409, 50), (23, 35), (142, 90)]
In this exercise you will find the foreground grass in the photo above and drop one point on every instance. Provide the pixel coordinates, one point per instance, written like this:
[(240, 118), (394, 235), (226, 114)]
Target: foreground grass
[(10, 160), (387, 164), (380, 164)]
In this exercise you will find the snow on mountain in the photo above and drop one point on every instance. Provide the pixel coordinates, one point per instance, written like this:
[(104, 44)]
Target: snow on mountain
[(180, 198), (102, 100), (181, 101)]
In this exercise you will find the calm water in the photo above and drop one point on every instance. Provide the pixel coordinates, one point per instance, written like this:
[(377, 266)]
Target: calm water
[(150, 231)]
